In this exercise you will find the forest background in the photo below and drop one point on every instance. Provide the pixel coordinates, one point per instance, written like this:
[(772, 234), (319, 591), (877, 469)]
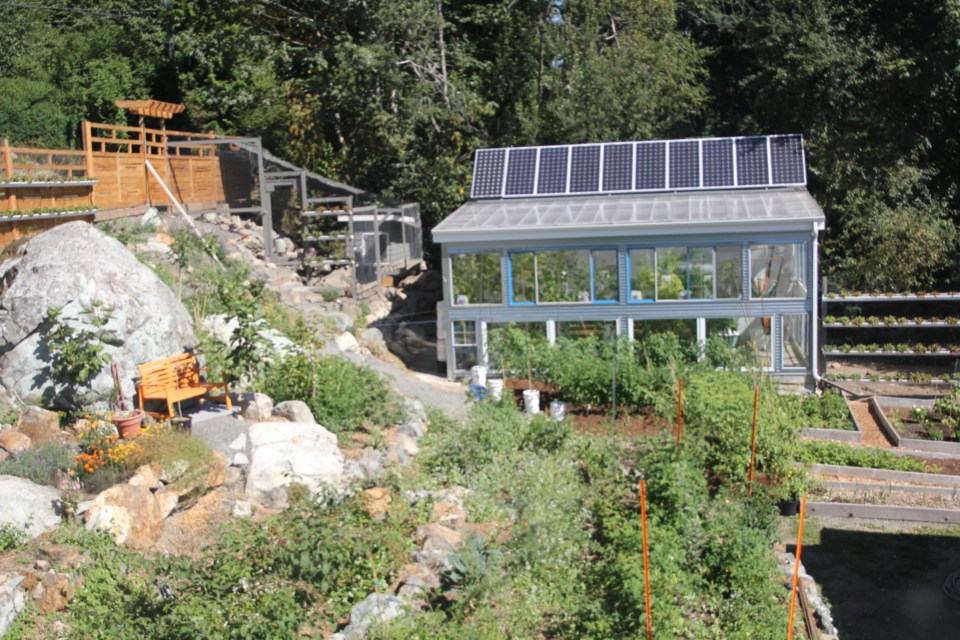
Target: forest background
[(395, 95)]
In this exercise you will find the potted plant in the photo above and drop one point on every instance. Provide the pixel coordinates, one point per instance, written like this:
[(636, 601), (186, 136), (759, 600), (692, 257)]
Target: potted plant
[(127, 421)]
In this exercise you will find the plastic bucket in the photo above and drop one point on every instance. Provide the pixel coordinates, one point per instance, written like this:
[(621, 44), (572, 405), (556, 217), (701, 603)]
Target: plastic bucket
[(495, 387), (531, 401), (479, 375), (558, 410)]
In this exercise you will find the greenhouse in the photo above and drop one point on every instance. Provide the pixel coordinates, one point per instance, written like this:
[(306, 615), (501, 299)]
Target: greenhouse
[(707, 237)]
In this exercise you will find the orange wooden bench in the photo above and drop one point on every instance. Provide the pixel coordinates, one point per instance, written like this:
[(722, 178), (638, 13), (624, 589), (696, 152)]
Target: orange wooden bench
[(174, 379)]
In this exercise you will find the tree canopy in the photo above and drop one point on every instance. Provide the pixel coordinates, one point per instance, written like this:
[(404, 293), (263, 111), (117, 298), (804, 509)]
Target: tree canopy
[(394, 96)]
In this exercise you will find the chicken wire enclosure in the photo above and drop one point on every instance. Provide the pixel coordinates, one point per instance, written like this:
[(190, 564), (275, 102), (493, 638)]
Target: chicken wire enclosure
[(388, 241)]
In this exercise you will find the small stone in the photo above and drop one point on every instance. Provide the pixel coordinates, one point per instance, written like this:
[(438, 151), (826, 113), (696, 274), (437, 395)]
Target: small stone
[(347, 343), (63, 556), (41, 565), (242, 509), (240, 459), (294, 411), (256, 406), (168, 501), (40, 425), (377, 502), (147, 476), (449, 512), (436, 536), (217, 474), (57, 591), (239, 443)]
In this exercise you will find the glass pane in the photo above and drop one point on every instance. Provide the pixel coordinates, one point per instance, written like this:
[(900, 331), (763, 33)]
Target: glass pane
[(642, 274), (464, 332), (729, 272), (587, 328), (796, 341), (523, 277), (672, 273), (778, 271), (700, 273), (563, 276), (476, 278), (605, 281), (464, 358), (748, 336)]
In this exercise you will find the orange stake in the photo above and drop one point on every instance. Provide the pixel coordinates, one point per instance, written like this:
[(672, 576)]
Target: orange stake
[(646, 557), (753, 440), (679, 410), (796, 568)]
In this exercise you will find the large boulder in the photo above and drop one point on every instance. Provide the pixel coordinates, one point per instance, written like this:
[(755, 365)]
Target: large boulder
[(30, 507), (129, 513), (284, 453), (72, 266)]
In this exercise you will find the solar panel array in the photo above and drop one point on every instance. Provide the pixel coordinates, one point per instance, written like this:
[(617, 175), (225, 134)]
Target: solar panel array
[(625, 167)]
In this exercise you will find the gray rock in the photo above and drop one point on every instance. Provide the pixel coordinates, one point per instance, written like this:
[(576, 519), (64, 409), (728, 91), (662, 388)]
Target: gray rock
[(255, 406), (374, 611), (284, 453), (294, 411), (240, 459), (239, 443), (372, 339), (340, 321), (12, 599), (413, 429), (27, 506), (347, 343), (152, 219), (242, 509), (72, 266), (414, 409)]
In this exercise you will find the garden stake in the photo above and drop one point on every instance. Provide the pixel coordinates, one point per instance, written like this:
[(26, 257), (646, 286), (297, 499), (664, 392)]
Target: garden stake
[(646, 557), (679, 410), (796, 568), (753, 440)]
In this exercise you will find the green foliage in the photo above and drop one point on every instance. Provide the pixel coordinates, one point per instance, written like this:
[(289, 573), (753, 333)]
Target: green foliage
[(77, 356), (824, 452), (828, 411), (11, 538), (44, 464), (329, 294), (342, 395)]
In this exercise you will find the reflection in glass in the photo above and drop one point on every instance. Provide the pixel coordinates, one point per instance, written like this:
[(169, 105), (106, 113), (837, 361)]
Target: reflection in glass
[(476, 278), (642, 275), (523, 277)]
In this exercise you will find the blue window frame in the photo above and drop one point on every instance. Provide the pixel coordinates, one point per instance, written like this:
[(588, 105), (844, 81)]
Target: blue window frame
[(563, 275)]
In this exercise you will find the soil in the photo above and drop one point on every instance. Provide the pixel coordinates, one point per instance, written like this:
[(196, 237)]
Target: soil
[(910, 428), (870, 432), (899, 389)]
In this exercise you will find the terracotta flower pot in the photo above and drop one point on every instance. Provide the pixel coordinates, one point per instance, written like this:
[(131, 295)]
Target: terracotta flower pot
[(128, 423)]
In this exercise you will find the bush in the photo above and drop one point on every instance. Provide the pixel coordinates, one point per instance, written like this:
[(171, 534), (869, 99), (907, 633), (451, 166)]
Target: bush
[(43, 465), (825, 452), (11, 538), (342, 395)]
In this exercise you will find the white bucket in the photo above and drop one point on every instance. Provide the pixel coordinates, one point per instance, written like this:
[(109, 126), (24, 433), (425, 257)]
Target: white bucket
[(495, 388), (279, 246), (531, 401), (558, 410), (479, 375)]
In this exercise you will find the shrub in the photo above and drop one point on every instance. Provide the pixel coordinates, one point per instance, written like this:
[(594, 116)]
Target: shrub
[(44, 464), (824, 452), (329, 294), (341, 395), (11, 537)]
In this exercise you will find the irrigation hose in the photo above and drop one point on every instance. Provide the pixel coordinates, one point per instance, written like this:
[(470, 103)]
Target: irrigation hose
[(951, 586)]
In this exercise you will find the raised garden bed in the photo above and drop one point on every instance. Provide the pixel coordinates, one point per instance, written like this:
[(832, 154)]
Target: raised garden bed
[(904, 430), (840, 426), (16, 184)]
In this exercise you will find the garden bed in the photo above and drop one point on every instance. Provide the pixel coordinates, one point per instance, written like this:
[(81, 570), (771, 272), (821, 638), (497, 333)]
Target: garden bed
[(907, 432)]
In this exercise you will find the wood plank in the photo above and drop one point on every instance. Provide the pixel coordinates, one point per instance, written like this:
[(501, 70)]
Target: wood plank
[(912, 477), (883, 512)]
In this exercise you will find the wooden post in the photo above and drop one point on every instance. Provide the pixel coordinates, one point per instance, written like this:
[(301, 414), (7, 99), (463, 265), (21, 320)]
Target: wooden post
[(8, 174), (679, 410), (646, 558), (796, 568), (143, 154), (88, 158), (753, 440)]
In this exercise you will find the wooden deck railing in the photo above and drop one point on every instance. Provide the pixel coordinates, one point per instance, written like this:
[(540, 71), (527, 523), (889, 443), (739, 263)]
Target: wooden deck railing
[(26, 164)]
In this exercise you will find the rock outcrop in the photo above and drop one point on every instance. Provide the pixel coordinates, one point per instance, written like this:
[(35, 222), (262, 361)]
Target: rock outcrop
[(30, 507), (71, 267), (284, 453), (129, 513)]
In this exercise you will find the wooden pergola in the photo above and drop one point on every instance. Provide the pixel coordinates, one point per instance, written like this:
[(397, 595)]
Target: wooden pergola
[(150, 108)]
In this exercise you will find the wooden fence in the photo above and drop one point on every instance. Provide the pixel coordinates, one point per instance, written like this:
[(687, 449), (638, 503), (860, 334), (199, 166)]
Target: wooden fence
[(110, 172)]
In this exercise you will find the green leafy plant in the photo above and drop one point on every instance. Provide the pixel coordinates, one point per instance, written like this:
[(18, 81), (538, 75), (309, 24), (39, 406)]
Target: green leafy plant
[(43, 464), (11, 538), (77, 356)]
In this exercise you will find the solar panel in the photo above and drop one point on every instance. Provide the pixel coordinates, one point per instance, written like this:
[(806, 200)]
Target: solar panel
[(488, 172), (659, 165), (617, 167), (786, 159), (553, 170), (718, 163), (684, 164), (585, 169), (752, 161), (521, 171), (651, 166)]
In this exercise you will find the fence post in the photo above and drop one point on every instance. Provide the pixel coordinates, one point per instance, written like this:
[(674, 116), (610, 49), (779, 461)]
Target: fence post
[(679, 411), (8, 173), (796, 568), (646, 558), (753, 439), (88, 158)]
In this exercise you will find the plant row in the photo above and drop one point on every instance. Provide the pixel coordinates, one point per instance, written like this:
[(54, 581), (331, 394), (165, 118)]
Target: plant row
[(889, 321), (45, 210), (913, 376), (889, 347), (45, 180), (890, 294)]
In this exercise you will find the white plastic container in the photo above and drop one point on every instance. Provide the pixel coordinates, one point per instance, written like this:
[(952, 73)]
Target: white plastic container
[(495, 388), (558, 410), (479, 375), (531, 401)]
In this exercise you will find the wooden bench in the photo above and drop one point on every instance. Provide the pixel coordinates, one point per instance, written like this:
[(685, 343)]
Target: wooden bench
[(174, 379)]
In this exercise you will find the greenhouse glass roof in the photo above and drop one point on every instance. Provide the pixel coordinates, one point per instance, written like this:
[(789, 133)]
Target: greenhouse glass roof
[(634, 214)]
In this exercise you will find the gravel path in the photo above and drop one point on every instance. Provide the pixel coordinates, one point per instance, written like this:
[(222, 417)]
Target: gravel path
[(871, 434)]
